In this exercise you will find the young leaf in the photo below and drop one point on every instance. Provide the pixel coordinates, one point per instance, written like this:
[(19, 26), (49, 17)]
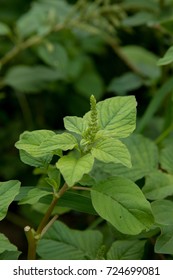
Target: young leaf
[(126, 250), (34, 195), (125, 206), (8, 191), (64, 141), (158, 185), (74, 167), (116, 116), (30, 142), (35, 161), (144, 158), (111, 150), (75, 124), (62, 243)]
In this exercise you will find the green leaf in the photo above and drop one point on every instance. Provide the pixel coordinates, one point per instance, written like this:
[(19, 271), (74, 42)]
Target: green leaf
[(155, 103), (167, 58), (62, 243), (139, 18), (158, 185), (10, 255), (64, 141), (34, 161), (163, 212), (5, 244), (73, 167), (144, 159), (4, 29), (90, 82), (54, 55), (116, 116), (30, 79), (8, 191), (111, 150), (73, 200), (34, 195), (143, 60), (75, 124), (164, 243), (125, 206), (166, 159), (30, 142), (126, 250), (125, 83)]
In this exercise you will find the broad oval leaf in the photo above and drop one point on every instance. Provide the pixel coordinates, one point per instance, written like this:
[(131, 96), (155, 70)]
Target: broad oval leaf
[(122, 203), (111, 150), (62, 243), (126, 250), (73, 167), (8, 191)]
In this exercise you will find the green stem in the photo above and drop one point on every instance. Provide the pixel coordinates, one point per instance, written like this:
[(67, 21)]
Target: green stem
[(32, 243), (46, 217), (164, 134)]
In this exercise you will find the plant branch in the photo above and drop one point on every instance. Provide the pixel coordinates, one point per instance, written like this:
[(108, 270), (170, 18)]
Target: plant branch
[(164, 134), (46, 217), (32, 242), (81, 188)]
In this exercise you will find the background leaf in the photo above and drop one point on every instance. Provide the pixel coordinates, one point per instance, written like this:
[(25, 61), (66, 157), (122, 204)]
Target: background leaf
[(30, 79), (164, 243), (158, 185), (126, 250), (163, 212), (8, 191), (5, 246), (143, 60), (167, 58), (62, 243)]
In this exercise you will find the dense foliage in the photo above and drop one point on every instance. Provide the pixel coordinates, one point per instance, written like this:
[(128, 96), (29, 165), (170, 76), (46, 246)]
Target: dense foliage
[(92, 178)]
